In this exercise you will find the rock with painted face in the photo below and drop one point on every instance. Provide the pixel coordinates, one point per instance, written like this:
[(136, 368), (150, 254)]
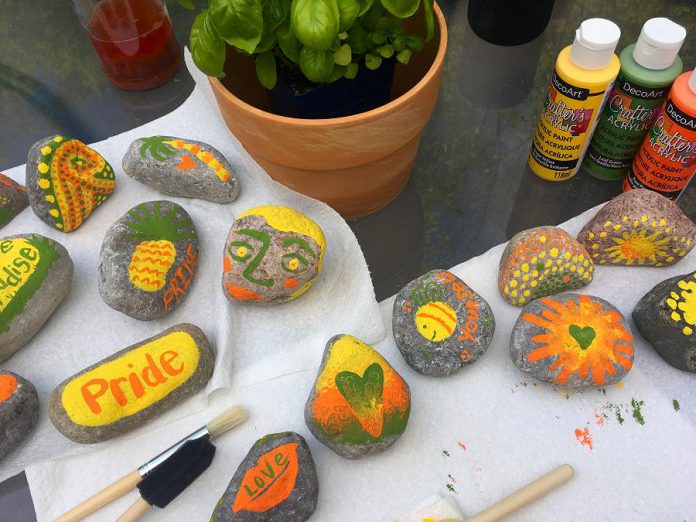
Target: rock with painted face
[(276, 482), (359, 405), (666, 317), (19, 410), (35, 276), (148, 260), (573, 340), (66, 181), (272, 255), (181, 168), (542, 261), (440, 324), (639, 228), (13, 199)]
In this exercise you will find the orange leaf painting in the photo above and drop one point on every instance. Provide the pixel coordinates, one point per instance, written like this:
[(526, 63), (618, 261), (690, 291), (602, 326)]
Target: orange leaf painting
[(270, 482)]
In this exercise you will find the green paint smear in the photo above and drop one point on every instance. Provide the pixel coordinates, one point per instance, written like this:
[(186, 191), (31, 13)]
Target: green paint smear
[(451, 489), (675, 404), (5, 215), (637, 414), (353, 433)]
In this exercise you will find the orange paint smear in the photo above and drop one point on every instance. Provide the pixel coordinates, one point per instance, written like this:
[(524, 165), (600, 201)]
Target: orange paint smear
[(242, 293), (8, 385), (291, 283), (584, 437)]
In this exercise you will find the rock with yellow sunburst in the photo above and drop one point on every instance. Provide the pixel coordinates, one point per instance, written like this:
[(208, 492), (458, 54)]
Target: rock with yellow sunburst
[(666, 317), (573, 340), (639, 228)]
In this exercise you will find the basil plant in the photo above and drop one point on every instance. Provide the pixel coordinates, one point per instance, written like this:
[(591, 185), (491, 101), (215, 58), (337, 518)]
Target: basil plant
[(324, 39)]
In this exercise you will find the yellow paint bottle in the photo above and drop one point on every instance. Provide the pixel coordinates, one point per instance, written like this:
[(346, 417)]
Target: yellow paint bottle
[(584, 75)]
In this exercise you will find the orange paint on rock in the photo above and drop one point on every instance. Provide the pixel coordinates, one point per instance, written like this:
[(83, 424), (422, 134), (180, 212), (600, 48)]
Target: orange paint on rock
[(8, 385), (242, 293), (186, 163), (226, 264), (291, 283)]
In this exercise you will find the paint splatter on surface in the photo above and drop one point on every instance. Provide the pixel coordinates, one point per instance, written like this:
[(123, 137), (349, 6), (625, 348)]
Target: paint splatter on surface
[(675, 404), (445, 453), (451, 489), (584, 437), (637, 413), (463, 446), (634, 409), (600, 417), (452, 478), (475, 469)]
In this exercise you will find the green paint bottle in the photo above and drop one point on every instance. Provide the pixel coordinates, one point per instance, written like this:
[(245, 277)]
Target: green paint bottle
[(648, 69)]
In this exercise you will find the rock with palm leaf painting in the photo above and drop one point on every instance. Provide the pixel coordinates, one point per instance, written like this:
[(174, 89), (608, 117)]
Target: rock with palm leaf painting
[(13, 199), (182, 168), (19, 410), (359, 405), (148, 260), (639, 228), (573, 340)]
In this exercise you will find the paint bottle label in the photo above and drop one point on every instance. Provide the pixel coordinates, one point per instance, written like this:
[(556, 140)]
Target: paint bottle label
[(667, 159), (561, 138)]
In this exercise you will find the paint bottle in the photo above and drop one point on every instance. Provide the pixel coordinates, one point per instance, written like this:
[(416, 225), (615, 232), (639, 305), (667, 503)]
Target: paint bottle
[(581, 80), (667, 158), (648, 69)]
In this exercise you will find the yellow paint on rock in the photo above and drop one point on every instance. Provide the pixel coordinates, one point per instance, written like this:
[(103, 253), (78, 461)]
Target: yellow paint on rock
[(18, 261)]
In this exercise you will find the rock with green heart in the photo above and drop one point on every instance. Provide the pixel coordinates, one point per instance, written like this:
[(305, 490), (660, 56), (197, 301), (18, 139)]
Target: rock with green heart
[(573, 340), (359, 405)]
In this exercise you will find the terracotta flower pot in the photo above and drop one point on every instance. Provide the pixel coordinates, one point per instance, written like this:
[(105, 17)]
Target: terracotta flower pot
[(356, 164)]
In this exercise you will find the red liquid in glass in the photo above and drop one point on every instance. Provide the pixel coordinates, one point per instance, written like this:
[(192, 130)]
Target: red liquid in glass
[(135, 42)]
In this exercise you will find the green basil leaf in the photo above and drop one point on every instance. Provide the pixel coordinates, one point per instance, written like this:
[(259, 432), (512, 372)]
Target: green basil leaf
[(337, 73), (275, 12), (388, 23), (429, 19), (351, 71), (359, 39), (315, 22), (268, 40), (288, 42), (379, 37), (372, 16), (207, 48), (404, 56), (386, 51), (239, 22), (266, 69), (415, 43), (401, 8), (187, 4), (399, 43), (343, 56), (364, 6), (347, 13), (316, 65), (373, 61)]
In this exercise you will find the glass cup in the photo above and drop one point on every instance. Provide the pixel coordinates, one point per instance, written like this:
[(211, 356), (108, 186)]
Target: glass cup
[(133, 39)]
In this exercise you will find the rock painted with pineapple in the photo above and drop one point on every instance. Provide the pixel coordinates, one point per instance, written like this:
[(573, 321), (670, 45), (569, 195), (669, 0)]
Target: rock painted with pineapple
[(148, 260), (639, 228), (132, 386), (272, 255), (66, 181), (359, 405), (542, 261), (573, 340), (19, 410), (666, 317), (13, 199), (35, 276), (440, 324), (276, 482), (182, 168)]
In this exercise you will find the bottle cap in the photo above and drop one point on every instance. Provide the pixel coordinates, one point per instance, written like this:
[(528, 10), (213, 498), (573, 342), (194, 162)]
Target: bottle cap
[(659, 43), (595, 42), (692, 81)]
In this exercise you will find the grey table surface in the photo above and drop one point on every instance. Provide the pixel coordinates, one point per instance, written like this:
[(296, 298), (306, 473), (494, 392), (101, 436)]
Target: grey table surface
[(471, 188)]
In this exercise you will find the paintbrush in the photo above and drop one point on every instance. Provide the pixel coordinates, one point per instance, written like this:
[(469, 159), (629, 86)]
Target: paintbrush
[(201, 439)]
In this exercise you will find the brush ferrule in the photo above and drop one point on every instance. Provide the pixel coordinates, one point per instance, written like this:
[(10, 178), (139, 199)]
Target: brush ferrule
[(159, 459)]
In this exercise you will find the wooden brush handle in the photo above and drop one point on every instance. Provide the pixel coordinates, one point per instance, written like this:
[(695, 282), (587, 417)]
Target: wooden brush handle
[(135, 511), (101, 499), (525, 495)]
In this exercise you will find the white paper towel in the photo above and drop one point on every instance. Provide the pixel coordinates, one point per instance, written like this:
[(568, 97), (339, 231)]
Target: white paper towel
[(475, 436), (253, 343)]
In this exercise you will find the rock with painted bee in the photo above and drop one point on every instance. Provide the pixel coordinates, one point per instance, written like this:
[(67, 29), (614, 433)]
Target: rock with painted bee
[(272, 255), (440, 324), (148, 260), (182, 168)]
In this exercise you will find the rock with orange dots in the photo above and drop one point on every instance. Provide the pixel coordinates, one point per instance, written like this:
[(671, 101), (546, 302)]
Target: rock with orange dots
[(542, 261), (666, 317), (359, 405), (573, 340), (639, 228), (440, 324)]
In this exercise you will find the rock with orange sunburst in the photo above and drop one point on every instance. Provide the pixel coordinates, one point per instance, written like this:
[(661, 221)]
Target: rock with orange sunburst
[(639, 228), (574, 340), (666, 317)]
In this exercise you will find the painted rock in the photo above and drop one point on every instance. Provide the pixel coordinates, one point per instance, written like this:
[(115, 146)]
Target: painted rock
[(66, 181), (148, 260), (272, 255), (19, 410), (276, 482), (13, 199), (639, 227), (181, 168), (440, 324), (359, 405), (132, 386), (35, 276), (574, 340), (542, 261), (666, 317)]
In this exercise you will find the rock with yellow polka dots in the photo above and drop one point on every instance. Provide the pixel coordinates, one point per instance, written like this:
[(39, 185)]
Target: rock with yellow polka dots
[(666, 317), (639, 228), (66, 180), (542, 261)]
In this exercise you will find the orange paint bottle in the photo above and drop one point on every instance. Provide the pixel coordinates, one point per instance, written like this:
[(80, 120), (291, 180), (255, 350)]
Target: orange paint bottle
[(666, 160)]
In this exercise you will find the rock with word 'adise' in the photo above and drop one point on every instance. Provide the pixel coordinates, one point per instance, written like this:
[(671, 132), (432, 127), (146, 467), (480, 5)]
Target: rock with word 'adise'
[(19, 410), (13, 199)]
